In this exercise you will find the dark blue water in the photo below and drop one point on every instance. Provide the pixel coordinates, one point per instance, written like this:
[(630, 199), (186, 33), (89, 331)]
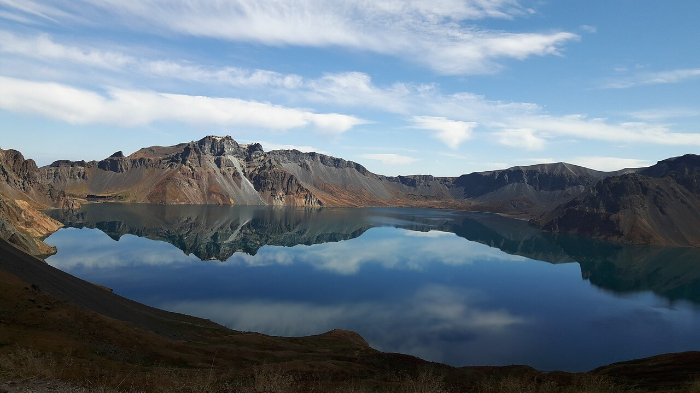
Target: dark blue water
[(458, 288)]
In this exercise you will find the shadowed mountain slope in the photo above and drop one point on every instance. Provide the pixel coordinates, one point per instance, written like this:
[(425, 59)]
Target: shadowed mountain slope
[(659, 205)]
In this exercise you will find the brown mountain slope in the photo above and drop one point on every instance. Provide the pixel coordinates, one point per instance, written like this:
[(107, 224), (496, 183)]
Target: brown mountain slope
[(21, 195), (657, 206), (24, 227), (660, 205), (528, 189), (217, 170), (210, 171)]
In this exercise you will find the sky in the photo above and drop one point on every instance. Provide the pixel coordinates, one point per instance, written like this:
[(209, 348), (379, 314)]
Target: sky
[(441, 87)]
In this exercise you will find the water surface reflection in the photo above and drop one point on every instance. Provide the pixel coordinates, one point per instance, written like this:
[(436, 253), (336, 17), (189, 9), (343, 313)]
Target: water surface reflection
[(461, 288)]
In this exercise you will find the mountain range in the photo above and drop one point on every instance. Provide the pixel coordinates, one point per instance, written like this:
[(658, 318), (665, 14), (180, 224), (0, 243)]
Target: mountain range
[(656, 205)]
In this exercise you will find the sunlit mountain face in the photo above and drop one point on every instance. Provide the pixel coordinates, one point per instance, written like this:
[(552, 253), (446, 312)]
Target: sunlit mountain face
[(461, 288)]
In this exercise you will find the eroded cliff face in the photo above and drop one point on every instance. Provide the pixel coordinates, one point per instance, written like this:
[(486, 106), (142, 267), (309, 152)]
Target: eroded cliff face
[(213, 170), (24, 227), (19, 179), (22, 194), (659, 205), (218, 170)]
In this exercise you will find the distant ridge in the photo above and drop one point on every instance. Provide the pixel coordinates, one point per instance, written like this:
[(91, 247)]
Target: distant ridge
[(558, 197), (657, 205), (218, 170)]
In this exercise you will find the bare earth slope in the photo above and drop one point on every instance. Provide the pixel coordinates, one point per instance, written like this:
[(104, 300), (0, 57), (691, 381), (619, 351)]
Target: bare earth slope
[(659, 205), (217, 170), (21, 195)]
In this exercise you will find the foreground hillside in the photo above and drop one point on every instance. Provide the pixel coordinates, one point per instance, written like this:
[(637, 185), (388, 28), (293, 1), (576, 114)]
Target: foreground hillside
[(63, 328), (658, 205)]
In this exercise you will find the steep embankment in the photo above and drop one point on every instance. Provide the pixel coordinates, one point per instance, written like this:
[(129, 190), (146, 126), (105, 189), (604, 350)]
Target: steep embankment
[(24, 227), (659, 205), (21, 195)]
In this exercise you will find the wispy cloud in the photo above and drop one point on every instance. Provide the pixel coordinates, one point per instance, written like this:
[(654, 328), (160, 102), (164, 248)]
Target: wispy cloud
[(520, 138), (432, 33), (390, 159), (15, 17), (30, 9), (664, 113), (453, 118), (457, 117), (132, 107), (654, 78), (609, 163), (44, 47), (450, 132)]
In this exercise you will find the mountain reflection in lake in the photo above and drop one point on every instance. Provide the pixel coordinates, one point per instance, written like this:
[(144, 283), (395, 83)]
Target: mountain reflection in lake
[(460, 288)]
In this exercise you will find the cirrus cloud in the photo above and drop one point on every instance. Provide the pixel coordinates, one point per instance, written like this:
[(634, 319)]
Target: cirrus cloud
[(435, 34)]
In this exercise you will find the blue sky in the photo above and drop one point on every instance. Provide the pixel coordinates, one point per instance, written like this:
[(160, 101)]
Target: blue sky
[(443, 87)]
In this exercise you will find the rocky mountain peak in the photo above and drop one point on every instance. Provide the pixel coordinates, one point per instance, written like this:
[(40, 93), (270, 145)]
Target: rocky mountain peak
[(219, 146), (15, 166)]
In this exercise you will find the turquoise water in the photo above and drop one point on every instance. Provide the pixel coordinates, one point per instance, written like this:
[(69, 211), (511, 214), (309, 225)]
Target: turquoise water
[(454, 287)]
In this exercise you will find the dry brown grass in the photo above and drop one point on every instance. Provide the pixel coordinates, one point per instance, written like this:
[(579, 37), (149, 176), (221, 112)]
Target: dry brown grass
[(580, 384), (27, 366), (427, 381), (269, 379), (694, 387), (24, 363)]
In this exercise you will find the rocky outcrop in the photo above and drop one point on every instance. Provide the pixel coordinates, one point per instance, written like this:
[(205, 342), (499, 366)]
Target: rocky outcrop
[(24, 227), (659, 205), (22, 194), (19, 179)]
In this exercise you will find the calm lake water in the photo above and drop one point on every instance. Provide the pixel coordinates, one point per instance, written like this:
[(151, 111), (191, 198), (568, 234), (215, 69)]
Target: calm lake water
[(454, 287)]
